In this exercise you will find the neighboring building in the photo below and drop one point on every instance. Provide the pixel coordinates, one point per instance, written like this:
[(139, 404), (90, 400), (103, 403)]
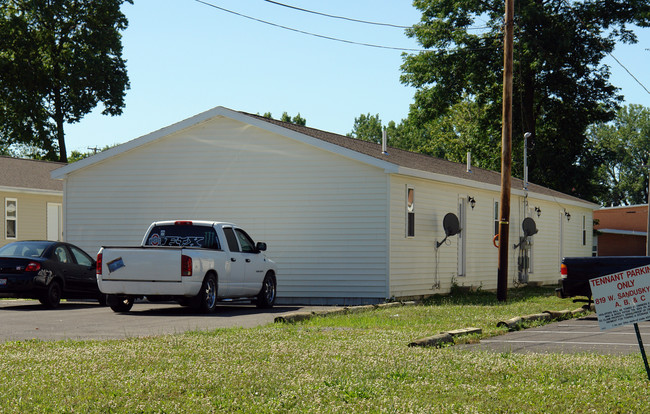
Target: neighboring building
[(622, 231), (345, 222), (32, 200)]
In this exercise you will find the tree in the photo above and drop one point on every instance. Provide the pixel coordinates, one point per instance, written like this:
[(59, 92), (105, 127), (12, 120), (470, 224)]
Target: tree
[(623, 146), (367, 128), (298, 120), (560, 86), (58, 59), (76, 155)]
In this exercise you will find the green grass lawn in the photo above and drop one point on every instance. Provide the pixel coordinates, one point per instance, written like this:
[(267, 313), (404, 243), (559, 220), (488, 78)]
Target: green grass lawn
[(340, 364)]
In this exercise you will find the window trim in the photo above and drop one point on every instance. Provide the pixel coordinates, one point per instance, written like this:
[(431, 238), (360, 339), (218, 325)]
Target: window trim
[(8, 219), (496, 217), (410, 212)]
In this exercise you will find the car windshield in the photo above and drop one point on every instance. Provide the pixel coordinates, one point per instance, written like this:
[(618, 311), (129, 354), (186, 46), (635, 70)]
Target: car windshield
[(24, 249)]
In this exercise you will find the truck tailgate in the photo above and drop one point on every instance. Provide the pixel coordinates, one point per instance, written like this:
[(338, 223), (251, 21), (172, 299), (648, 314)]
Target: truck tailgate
[(142, 264)]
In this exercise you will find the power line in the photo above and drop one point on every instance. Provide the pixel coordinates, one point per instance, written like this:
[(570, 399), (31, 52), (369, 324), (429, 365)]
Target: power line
[(336, 17), (309, 33), (334, 38), (609, 53), (629, 73)]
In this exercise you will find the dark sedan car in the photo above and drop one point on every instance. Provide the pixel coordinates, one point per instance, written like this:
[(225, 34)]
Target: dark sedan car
[(47, 271)]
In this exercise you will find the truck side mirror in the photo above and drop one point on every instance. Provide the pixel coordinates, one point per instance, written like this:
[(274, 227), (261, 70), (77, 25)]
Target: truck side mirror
[(260, 246)]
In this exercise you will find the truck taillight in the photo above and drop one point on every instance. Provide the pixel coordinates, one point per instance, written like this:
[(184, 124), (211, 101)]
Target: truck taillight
[(183, 223), (186, 265), (563, 271), (33, 267), (99, 263)]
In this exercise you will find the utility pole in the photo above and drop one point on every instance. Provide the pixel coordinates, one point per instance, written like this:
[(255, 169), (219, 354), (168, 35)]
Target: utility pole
[(506, 154), (647, 233)]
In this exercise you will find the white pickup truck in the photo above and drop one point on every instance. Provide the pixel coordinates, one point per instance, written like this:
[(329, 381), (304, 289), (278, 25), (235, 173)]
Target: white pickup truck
[(194, 263)]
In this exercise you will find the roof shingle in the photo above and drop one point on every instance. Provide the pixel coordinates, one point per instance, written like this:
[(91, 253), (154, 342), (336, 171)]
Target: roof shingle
[(415, 160), (26, 173)]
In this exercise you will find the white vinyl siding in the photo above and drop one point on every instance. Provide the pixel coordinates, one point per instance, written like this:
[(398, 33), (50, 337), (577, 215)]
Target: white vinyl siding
[(413, 265), (323, 215)]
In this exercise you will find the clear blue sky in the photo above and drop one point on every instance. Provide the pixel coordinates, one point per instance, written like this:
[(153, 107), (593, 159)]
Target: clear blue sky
[(184, 57)]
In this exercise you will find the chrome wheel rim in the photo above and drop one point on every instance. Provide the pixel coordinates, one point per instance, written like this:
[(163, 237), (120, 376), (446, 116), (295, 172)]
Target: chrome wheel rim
[(269, 290), (210, 293)]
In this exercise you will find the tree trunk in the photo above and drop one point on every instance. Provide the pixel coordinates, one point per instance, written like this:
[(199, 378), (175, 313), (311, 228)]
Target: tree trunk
[(60, 134)]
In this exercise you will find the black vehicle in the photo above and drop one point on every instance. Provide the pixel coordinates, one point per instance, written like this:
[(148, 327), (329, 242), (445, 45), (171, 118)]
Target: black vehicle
[(577, 271), (48, 271)]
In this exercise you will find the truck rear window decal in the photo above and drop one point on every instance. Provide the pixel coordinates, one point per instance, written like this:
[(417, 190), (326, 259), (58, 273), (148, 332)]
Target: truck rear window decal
[(187, 241), (183, 236), (154, 240)]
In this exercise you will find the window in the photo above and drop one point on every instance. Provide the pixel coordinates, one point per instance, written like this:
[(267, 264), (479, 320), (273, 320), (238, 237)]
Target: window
[(231, 239), (11, 218), (247, 244), (584, 231), (81, 258), (410, 212), (183, 236), (61, 255), (496, 218)]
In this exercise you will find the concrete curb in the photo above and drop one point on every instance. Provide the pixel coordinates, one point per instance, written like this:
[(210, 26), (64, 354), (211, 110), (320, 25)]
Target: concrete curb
[(294, 317), (444, 337), (512, 324), (516, 322)]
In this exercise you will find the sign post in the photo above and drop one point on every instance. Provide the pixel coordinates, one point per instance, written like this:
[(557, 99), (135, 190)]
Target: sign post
[(623, 298)]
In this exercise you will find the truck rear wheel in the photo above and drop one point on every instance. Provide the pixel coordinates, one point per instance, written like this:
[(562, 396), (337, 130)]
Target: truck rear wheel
[(207, 297), (120, 303)]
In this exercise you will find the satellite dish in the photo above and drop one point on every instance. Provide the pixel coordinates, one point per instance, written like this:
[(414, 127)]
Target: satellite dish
[(451, 225), (529, 227)]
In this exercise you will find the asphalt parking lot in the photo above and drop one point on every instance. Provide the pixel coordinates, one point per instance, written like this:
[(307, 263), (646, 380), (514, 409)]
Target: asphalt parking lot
[(28, 319), (570, 336)]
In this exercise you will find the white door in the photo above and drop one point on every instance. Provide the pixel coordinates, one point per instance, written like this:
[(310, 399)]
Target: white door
[(462, 236), (54, 219)]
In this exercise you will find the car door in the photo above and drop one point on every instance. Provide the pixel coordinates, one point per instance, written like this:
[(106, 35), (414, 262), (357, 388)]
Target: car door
[(254, 263), (235, 266), (84, 270), (66, 268)]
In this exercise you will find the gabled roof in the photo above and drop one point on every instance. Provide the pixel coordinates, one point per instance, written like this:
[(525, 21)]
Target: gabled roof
[(417, 161), (29, 175), (395, 161)]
